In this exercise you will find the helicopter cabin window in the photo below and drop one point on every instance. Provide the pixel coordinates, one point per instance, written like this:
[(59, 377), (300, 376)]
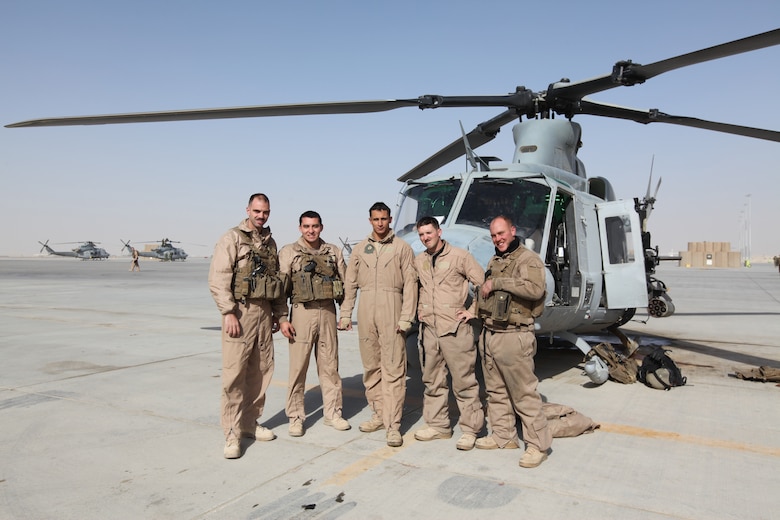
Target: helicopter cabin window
[(524, 201), (619, 240), (432, 199)]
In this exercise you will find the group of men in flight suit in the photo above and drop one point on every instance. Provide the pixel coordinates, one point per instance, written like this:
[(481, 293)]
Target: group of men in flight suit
[(251, 283)]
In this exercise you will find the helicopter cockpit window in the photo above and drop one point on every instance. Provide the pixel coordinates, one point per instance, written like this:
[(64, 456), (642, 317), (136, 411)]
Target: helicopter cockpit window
[(522, 200), (619, 240), (432, 199)]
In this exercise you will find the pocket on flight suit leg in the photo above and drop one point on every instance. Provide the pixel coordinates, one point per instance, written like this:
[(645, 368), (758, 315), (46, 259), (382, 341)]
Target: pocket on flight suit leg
[(234, 355)]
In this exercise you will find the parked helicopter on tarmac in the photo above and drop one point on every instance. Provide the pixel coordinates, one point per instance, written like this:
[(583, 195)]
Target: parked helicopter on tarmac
[(166, 251), (85, 250), (599, 256)]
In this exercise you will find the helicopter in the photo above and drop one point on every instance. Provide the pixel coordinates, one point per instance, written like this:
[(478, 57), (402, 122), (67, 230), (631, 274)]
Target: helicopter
[(346, 247), (86, 250), (166, 251), (598, 252)]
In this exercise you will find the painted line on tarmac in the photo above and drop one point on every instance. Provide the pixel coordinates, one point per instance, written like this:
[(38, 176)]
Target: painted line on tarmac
[(635, 431), (366, 463)]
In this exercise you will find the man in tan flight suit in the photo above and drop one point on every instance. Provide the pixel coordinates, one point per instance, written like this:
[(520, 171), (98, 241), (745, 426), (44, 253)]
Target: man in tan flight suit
[(382, 267), (316, 272), (509, 300), (246, 285), (447, 332)]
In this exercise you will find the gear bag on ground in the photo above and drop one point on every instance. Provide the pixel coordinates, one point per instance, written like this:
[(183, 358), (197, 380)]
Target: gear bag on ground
[(621, 368), (659, 371)]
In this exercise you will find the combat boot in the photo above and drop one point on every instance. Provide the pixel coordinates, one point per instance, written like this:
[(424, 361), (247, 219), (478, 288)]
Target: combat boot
[(532, 457), (466, 441), (296, 427), (429, 434), (260, 433), (487, 443), (232, 448), (339, 423), (372, 425), (264, 434), (394, 438)]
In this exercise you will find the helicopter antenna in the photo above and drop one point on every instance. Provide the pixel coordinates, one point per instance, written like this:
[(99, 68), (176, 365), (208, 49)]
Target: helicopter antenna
[(649, 201), (650, 180), (469, 152), (477, 162)]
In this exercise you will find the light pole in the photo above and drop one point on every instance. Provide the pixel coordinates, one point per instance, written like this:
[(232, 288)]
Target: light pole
[(742, 241), (747, 233)]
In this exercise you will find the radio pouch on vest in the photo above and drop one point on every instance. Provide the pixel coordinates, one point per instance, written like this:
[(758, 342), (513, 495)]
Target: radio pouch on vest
[(501, 301)]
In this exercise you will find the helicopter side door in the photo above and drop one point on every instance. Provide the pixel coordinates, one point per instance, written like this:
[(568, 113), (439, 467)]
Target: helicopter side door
[(623, 266)]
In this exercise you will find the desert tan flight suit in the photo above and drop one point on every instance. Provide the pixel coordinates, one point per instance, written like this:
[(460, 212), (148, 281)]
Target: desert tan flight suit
[(248, 360), (315, 326), (448, 343), (508, 350), (384, 273)]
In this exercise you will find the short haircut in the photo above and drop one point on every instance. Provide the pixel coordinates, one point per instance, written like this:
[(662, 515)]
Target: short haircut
[(379, 206), (309, 214), (505, 218), (261, 196), (428, 221)]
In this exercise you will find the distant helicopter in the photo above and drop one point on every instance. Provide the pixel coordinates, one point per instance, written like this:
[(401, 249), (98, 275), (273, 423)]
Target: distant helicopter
[(346, 247), (599, 256), (165, 251), (86, 250)]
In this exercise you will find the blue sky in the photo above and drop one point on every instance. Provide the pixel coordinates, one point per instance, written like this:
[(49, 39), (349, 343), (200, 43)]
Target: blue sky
[(189, 180)]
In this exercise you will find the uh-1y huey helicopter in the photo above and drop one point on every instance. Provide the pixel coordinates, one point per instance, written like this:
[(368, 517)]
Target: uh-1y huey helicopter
[(166, 251), (85, 250), (599, 257)]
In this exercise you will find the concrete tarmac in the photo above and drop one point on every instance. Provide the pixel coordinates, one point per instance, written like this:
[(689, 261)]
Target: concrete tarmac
[(109, 408)]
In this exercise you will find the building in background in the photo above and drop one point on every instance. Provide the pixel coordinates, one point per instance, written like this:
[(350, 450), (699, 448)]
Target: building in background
[(710, 254)]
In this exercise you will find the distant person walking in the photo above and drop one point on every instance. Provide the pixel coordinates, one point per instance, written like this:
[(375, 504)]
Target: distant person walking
[(134, 266)]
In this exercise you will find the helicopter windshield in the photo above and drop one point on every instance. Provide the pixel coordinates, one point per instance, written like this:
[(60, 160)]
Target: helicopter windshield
[(522, 200), (431, 199)]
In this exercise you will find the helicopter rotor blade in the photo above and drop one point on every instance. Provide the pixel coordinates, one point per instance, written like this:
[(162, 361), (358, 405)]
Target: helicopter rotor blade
[(595, 108), (626, 73), (299, 109), (483, 133)]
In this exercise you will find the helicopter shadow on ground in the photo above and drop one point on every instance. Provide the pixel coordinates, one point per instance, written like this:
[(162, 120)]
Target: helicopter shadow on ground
[(552, 360)]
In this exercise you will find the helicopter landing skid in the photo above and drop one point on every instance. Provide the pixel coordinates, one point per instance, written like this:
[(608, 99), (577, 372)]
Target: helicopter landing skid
[(629, 344), (575, 340)]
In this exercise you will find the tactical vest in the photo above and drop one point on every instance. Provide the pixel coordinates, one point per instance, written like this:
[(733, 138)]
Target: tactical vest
[(502, 307), (316, 278), (258, 277)]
